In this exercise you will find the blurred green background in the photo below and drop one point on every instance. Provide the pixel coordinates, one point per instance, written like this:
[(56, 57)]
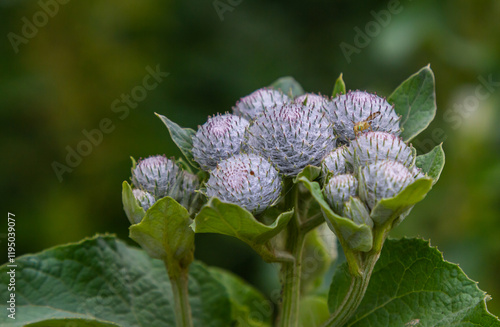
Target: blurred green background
[(66, 75)]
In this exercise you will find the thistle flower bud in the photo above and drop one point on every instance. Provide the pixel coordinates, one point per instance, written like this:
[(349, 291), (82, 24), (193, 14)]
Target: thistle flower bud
[(312, 101), (188, 185), (219, 138), (292, 137), (339, 189), (384, 179), (145, 199), (259, 101), (356, 210), (157, 175), (358, 111), (247, 180), (371, 147), (335, 162)]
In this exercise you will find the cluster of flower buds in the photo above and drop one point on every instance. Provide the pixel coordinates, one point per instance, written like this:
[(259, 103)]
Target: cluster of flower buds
[(268, 136), (284, 135), (372, 162), (156, 177)]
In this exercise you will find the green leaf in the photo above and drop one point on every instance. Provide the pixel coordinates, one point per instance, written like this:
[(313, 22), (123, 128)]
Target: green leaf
[(132, 209), (309, 172), (182, 137), (339, 87), (289, 86), (232, 220), (165, 233), (313, 311), (415, 101), (357, 237), (432, 163), (390, 209), (412, 285), (250, 308), (103, 282)]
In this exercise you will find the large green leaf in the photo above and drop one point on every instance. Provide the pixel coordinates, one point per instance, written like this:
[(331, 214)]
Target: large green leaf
[(182, 137), (415, 101), (289, 86), (250, 308), (432, 163), (412, 285), (390, 209), (339, 87), (103, 282), (132, 209), (230, 219), (165, 233), (357, 237)]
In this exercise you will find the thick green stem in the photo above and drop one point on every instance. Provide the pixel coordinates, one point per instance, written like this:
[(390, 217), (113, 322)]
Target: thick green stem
[(182, 308), (290, 276), (356, 292), (290, 271)]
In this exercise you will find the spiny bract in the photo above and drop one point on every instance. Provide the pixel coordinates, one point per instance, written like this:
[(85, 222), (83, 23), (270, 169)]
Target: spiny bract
[(145, 199), (312, 100), (259, 101), (339, 189), (292, 136), (384, 179), (188, 184), (247, 180), (219, 138), (371, 147), (335, 162), (355, 107), (157, 175)]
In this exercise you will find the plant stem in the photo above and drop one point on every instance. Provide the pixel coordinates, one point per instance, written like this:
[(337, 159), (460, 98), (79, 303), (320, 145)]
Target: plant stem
[(290, 275), (355, 294), (312, 222), (290, 271), (179, 282)]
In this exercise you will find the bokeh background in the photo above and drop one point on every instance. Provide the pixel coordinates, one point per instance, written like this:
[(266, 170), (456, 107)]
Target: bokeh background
[(66, 75)]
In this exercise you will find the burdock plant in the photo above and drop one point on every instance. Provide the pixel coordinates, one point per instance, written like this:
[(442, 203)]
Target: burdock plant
[(295, 176), (277, 170)]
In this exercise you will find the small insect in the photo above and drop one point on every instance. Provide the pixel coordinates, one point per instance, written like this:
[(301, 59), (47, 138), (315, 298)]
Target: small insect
[(364, 125), (252, 173)]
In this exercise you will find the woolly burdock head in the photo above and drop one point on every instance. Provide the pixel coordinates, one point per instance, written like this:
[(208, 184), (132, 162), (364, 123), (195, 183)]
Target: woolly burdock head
[(145, 199), (292, 137), (358, 111), (339, 189), (335, 162), (384, 179), (312, 100), (259, 101), (371, 147), (218, 139), (247, 180), (189, 183), (157, 175)]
